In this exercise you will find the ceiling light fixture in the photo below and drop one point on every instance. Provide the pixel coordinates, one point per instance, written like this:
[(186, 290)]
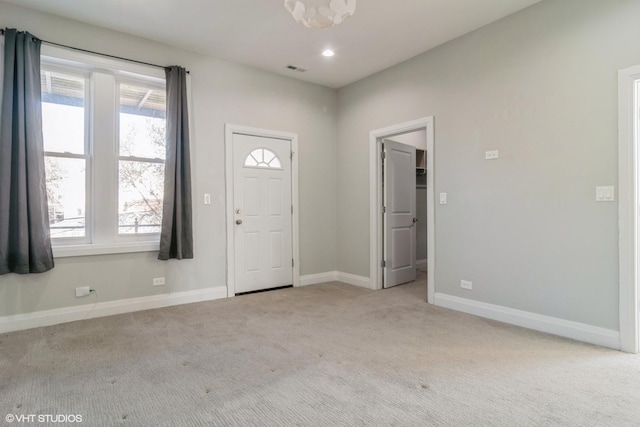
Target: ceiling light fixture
[(328, 53), (320, 13)]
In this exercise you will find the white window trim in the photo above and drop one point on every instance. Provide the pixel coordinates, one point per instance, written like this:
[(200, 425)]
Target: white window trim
[(122, 71), (105, 249), (80, 59)]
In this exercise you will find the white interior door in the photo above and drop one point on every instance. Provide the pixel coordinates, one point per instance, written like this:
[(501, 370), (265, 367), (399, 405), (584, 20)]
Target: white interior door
[(262, 213), (400, 213)]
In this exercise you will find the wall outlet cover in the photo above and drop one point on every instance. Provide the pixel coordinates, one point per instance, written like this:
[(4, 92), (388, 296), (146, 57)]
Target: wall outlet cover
[(83, 291), (158, 281), (465, 284)]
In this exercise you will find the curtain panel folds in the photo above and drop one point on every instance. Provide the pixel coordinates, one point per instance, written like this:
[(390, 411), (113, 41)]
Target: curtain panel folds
[(176, 236), (25, 243)]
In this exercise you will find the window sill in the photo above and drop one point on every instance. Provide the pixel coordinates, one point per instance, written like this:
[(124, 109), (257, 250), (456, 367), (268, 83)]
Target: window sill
[(115, 248)]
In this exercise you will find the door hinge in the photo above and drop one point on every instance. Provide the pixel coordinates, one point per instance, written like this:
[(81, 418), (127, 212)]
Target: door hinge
[(291, 209), (292, 155), (383, 209), (292, 263), (383, 264), (383, 155)]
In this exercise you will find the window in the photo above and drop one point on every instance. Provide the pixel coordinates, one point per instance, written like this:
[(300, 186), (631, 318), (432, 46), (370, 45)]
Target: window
[(64, 127), (104, 132), (141, 158), (262, 158)]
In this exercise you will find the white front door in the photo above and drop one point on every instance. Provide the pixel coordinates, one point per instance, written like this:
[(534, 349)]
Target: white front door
[(400, 213), (262, 212)]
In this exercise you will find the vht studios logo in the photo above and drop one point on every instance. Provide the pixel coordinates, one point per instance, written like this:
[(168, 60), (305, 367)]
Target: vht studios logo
[(43, 418)]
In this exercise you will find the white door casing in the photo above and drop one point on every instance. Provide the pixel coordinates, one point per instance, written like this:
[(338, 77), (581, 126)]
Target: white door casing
[(375, 199), (262, 225), (628, 210), (399, 213)]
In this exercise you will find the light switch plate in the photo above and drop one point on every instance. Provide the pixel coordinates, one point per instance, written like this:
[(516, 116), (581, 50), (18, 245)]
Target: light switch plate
[(491, 155), (207, 198), (605, 194), (443, 198)]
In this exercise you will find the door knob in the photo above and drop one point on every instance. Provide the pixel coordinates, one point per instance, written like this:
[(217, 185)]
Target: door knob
[(415, 220), (238, 221)]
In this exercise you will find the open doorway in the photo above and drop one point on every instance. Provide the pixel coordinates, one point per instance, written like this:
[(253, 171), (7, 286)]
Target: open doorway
[(415, 137)]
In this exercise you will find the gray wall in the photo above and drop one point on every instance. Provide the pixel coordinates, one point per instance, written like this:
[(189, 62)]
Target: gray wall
[(221, 92), (540, 86)]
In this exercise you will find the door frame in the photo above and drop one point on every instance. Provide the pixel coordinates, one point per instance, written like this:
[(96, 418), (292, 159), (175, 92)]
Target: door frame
[(628, 188), (230, 130), (375, 199)]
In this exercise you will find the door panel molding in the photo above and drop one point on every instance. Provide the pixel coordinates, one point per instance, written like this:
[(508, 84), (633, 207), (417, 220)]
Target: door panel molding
[(375, 199), (230, 130)]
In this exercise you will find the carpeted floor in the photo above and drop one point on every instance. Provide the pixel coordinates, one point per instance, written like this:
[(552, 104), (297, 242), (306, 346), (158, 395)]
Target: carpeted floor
[(322, 355)]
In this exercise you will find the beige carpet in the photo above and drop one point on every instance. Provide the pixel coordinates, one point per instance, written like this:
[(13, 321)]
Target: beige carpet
[(322, 355)]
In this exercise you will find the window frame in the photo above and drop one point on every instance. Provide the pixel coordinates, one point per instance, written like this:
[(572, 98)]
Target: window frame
[(102, 231), (87, 156), (149, 84)]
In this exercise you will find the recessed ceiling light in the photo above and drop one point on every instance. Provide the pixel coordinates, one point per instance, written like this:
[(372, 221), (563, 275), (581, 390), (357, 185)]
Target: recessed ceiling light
[(328, 53)]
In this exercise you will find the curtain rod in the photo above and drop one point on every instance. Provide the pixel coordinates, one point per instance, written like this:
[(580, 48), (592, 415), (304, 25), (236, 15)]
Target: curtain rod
[(97, 53)]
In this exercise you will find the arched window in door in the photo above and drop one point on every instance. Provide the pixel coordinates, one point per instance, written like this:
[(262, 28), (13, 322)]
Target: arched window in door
[(262, 158)]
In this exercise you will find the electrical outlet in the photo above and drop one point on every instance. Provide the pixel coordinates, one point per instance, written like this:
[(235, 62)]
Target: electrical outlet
[(83, 291), (465, 284), (158, 281)]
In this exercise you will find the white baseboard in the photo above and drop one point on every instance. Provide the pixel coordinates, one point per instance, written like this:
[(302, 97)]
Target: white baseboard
[(552, 325), (421, 263), (334, 276), (354, 280), (314, 279), (37, 319)]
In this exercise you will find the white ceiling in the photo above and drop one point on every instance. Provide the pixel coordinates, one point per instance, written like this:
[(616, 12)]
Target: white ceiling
[(262, 34)]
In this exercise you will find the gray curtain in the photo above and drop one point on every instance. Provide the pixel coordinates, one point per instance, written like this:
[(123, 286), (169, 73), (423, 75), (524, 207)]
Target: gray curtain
[(25, 245), (176, 237)]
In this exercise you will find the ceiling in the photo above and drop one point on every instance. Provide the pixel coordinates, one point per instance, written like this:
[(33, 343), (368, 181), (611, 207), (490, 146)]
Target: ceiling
[(262, 34)]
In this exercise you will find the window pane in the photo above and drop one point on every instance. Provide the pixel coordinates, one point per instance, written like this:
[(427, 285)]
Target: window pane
[(66, 196), (63, 112), (275, 163), (263, 158), (140, 197), (142, 122)]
